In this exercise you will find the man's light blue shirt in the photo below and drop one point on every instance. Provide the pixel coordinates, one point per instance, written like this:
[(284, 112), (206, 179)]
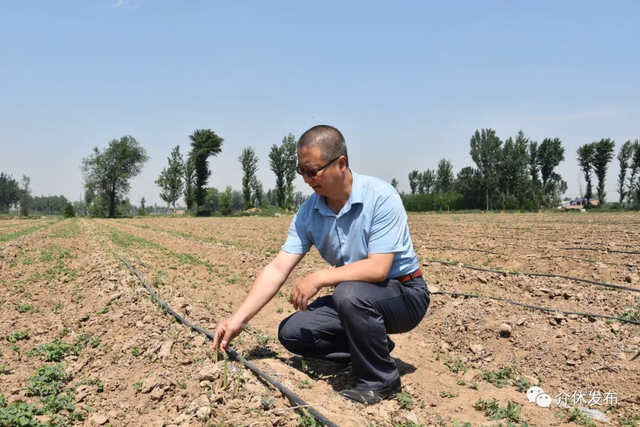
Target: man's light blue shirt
[(373, 221)]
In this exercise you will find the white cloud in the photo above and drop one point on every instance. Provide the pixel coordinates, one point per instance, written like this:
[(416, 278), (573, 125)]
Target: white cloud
[(119, 3)]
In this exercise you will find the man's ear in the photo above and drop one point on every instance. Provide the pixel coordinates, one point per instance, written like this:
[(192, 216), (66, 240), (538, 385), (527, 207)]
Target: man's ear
[(342, 163)]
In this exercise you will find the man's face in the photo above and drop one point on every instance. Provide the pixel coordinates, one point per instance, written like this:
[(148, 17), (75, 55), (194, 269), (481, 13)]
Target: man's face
[(328, 179)]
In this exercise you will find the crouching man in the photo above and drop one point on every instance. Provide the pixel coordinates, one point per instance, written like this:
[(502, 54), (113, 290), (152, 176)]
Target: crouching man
[(359, 225)]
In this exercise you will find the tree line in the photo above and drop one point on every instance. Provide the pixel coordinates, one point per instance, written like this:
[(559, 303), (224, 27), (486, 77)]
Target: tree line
[(183, 178), (18, 194), (107, 174), (520, 174), (514, 174)]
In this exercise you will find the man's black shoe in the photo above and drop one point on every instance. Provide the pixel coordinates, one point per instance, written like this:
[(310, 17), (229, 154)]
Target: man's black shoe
[(369, 397), (348, 366)]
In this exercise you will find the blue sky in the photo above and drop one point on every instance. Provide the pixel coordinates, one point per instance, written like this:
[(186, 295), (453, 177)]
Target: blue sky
[(407, 82)]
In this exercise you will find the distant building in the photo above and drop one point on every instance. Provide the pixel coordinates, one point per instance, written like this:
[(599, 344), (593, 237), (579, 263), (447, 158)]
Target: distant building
[(579, 203)]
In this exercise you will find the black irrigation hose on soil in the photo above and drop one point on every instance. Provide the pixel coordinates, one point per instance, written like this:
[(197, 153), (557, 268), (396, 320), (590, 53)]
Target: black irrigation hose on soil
[(234, 355), (534, 306), (601, 250), (577, 279)]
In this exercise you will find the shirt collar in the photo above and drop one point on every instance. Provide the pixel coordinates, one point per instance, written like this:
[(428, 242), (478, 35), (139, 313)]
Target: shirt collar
[(356, 196)]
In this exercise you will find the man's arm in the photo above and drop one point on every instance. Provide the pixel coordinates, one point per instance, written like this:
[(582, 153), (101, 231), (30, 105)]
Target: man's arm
[(374, 269), (266, 285)]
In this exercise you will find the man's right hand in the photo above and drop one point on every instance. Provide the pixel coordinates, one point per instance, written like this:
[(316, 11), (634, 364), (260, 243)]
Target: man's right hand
[(226, 331)]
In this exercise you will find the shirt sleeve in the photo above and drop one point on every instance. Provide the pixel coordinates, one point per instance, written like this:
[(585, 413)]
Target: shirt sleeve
[(388, 226), (298, 241)]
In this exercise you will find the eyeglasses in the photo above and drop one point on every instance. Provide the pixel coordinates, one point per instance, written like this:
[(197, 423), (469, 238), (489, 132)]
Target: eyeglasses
[(311, 173)]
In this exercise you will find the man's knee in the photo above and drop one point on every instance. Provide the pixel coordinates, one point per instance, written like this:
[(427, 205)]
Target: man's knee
[(290, 334), (347, 295)]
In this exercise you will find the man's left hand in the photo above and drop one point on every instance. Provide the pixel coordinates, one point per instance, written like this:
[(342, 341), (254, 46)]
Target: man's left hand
[(304, 290)]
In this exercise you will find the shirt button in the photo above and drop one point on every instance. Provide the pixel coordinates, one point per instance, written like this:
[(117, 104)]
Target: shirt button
[(344, 241)]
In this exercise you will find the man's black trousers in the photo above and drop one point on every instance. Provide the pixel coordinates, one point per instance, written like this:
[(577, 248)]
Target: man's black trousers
[(352, 325)]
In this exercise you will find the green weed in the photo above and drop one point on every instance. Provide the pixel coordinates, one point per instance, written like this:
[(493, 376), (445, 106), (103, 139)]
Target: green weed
[(456, 366), (492, 409), (501, 377), (18, 336), (405, 401)]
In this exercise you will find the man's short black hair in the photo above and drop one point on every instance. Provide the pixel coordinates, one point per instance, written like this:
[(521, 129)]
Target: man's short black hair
[(328, 138)]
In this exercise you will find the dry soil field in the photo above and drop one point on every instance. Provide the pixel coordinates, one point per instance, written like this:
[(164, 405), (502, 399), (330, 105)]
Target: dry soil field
[(83, 343)]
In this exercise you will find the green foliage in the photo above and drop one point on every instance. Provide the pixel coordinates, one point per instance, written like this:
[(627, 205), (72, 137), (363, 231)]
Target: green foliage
[(602, 156), (225, 201), (48, 205), (624, 160), (189, 183), (20, 414), (24, 231), (53, 352), (283, 161), (25, 195), (68, 230), (204, 143), (492, 409), (486, 153), (426, 182), (92, 382), (69, 211), (433, 202), (456, 366), (249, 163), (634, 186), (631, 421), (23, 308), (267, 404), (107, 173), (586, 155), (407, 423), (170, 180), (56, 350), (550, 154), (4, 370), (306, 419), (522, 384), (632, 312), (444, 177), (405, 401), (501, 377), (18, 336), (48, 380), (9, 192), (578, 417), (414, 181)]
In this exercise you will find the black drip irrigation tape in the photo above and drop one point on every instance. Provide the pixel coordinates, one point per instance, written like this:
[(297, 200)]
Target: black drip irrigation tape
[(535, 307), (601, 250), (591, 261), (234, 355), (560, 276), (462, 249)]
